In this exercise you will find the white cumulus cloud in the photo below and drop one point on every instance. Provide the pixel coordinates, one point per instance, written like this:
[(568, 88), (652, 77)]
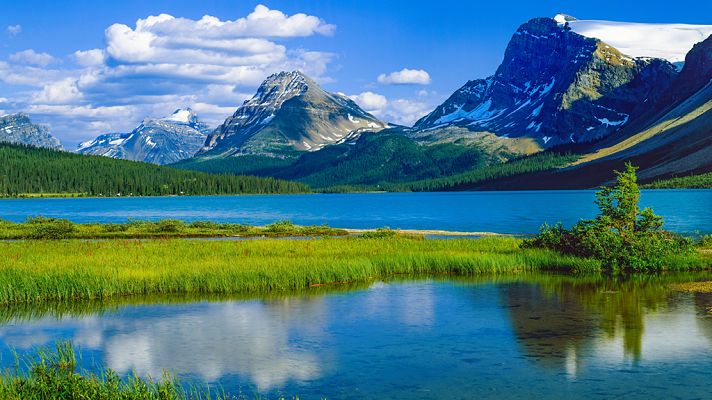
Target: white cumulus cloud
[(60, 92), (398, 111), (31, 57), (90, 58), (405, 77), (159, 63)]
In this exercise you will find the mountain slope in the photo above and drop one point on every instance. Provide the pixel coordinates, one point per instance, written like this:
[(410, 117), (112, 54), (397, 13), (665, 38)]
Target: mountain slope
[(288, 115), (157, 141), (371, 160), (17, 128), (673, 139), (555, 86)]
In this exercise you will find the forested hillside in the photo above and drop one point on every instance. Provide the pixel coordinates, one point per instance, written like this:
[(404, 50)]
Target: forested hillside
[(28, 170)]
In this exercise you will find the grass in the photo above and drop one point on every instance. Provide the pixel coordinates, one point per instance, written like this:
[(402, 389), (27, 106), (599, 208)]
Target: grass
[(51, 228), (34, 271), (53, 374)]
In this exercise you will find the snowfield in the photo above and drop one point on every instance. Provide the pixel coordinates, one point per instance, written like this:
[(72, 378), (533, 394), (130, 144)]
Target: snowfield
[(668, 41)]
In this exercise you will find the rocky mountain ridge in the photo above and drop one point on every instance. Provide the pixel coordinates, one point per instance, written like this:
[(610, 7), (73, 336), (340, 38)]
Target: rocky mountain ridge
[(19, 129), (156, 140), (556, 86), (288, 115)]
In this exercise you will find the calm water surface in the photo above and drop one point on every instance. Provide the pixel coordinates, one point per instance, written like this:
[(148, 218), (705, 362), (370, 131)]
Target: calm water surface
[(686, 211), (539, 336)]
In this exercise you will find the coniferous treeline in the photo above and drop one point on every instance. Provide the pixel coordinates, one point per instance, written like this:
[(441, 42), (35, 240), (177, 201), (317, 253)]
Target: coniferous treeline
[(29, 170), (701, 181), (471, 179)]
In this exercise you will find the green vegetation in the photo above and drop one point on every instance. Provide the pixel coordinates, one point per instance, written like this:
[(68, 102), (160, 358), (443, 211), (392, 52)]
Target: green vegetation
[(388, 162), (54, 228), (479, 176), (701, 181), (36, 270), (622, 236), (242, 165), (373, 161), (53, 374), (29, 171), (376, 160)]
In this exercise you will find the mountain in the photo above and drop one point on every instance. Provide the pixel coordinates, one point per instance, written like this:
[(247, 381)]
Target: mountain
[(372, 159), (556, 87), (674, 138), (17, 128), (157, 141), (290, 114), (563, 110)]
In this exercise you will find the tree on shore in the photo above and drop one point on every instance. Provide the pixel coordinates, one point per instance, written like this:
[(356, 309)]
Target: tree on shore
[(622, 236)]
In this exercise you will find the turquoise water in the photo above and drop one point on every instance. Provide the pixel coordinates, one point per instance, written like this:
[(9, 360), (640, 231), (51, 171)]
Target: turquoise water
[(540, 336), (686, 211)]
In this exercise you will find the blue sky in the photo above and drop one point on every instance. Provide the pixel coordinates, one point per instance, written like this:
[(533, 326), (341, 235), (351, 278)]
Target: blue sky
[(114, 82)]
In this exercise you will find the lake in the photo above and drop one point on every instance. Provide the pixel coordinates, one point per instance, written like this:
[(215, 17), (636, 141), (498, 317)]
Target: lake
[(530, 336), (516, 212)]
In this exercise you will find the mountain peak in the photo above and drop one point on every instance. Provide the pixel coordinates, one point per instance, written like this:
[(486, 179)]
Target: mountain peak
[(288, 114), (562, 19), (556, 86), (17, 128), (156, 140), (182, 115)]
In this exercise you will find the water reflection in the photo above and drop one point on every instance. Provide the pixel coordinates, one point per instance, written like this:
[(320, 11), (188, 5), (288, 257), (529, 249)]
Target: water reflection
[(386, 338), (561, 321)]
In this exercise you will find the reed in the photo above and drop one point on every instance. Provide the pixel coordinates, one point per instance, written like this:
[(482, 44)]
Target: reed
[(34, 271), (42, 228), (53, 374)]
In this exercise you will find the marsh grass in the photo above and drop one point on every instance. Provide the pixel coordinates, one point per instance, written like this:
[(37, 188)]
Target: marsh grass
[(53, 374), (35, 270), (39, 228)]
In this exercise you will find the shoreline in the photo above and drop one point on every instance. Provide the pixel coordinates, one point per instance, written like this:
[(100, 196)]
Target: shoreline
[(429, 232)]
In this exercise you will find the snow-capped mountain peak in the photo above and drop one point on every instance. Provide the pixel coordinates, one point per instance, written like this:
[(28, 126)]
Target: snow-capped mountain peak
[(588, 90), (182, 115), (656, 40), (289, 114), (17, 128), (562, 19), (156, 140)]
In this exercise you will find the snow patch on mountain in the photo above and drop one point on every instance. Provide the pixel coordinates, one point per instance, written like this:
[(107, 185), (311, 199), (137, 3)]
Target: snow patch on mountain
[(667, 41)]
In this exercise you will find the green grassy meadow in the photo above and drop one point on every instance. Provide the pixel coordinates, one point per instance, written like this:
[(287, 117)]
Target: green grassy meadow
[(34, 270)]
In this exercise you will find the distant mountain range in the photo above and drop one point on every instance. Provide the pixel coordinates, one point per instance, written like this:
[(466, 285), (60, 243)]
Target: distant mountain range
[(556, 91), (560, 89), (17, 128), (156, 140)]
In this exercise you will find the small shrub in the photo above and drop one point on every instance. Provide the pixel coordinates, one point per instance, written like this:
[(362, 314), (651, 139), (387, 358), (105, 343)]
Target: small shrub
[(622, 236), (281, 227), (379, 233), (49, 228), (142, 226), (204, 225), (110, 228), (170, 225), (705, 241)]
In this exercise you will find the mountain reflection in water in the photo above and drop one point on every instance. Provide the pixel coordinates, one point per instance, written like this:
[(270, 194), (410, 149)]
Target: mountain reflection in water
[(419, 336)]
